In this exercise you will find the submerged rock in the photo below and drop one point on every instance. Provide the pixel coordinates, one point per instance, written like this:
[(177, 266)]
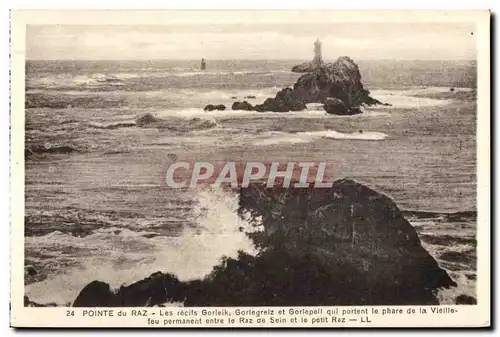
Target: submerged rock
[(344, 245)]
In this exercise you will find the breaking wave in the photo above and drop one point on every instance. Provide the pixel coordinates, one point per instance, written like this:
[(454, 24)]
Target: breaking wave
[(274, 138)]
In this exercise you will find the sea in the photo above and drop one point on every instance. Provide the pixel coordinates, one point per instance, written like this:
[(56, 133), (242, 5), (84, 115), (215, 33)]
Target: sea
[(95, 205)]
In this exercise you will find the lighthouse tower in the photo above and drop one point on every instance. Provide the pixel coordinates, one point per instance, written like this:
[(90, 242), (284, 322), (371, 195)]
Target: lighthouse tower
[(317, 53)]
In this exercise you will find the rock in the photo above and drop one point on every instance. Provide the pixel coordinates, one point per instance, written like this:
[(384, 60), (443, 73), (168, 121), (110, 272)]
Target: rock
[(465, 299), (335, 106), (355, 238), (452, 89), (372, 101), (242, 106), (211, 107), (29, 303), (283, 102), (234, 97), (33, 150), (304, 67), (251, 97), (30, 271), (340, 80), (146, 120), (157, 289), (96, 294)]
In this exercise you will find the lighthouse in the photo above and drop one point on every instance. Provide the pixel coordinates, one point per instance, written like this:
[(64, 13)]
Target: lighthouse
[(317, 53)]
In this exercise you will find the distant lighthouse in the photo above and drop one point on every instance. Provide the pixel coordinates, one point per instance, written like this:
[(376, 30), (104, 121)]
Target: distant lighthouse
[(317, 53)]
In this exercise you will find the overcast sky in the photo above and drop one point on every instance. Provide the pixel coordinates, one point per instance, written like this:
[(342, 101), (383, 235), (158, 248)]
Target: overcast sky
[(369, 41)]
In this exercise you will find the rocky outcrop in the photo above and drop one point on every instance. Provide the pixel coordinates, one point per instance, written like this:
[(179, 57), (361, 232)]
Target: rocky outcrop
[(95, 292), (242, 106), (335, 106), (340, 80), (344, 245), (465, 299), (211, 107), (305, 67)]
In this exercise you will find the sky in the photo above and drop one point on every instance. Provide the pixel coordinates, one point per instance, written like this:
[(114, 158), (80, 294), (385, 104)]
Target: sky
[(365, 41)]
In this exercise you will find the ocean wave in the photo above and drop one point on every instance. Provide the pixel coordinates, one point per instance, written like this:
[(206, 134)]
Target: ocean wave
[(112, 125), (409, 99)]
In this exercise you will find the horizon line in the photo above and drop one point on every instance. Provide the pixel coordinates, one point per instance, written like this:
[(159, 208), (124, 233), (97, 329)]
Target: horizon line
[(237, 59)]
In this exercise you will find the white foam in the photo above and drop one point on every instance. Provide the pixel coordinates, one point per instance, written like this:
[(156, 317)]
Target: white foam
[(274, 138)]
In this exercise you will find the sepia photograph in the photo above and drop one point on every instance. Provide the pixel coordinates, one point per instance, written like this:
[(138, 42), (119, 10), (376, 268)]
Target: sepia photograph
[(236, 164)]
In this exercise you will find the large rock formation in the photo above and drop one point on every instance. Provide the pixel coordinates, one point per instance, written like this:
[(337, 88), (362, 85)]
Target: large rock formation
[(344, 245), (212, 107)]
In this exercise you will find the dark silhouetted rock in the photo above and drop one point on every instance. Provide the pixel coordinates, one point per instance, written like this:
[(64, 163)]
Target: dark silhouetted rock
[(452, 89), (211, 107), (306, 67), (465, 299), (250, 97), (344, 245), (146, 120), (30, 271), (95, 294), (242, 106), (335, 106)]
